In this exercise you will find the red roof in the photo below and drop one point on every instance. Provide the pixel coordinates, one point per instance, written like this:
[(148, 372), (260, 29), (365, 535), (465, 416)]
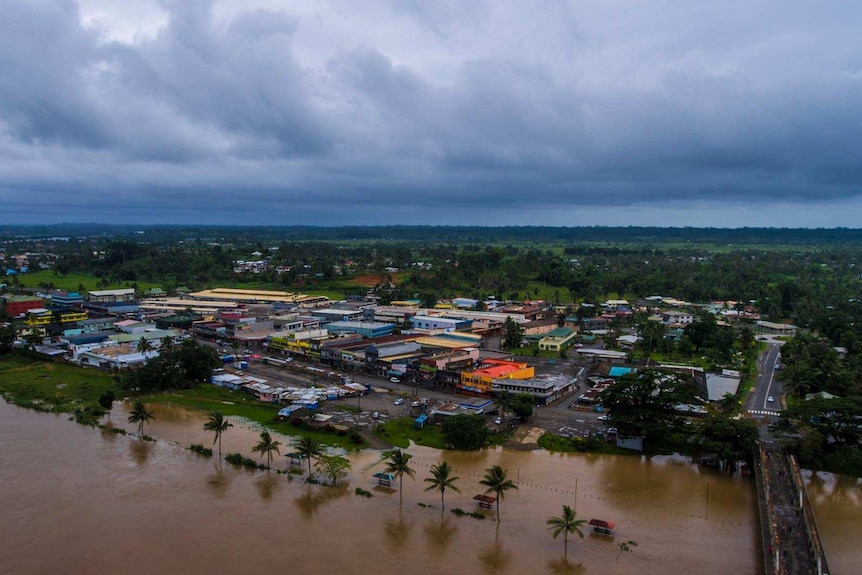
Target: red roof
[(485, 498), (602, 523)]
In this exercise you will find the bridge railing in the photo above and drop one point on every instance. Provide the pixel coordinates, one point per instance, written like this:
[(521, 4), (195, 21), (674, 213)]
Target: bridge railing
[(812, 535)]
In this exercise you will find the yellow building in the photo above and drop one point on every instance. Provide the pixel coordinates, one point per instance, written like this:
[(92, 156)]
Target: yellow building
[(479, 381)]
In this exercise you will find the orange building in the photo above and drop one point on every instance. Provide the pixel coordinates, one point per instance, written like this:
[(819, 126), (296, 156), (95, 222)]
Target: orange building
[(478, 381)]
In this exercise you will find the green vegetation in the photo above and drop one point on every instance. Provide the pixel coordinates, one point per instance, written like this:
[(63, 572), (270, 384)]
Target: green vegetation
[(400, 432), (218, 425), (465, 432), (333, 466), (458, 512), (497, 482), (441, 479), (644, 404), (552, 442), (241, 461), (266, 446), (566, 523), (55, 387), (201, 450), (208, 398), (398, 464)]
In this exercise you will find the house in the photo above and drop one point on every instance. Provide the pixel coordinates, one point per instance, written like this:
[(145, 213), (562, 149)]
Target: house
[(544, 389), (17, 305), (558, 339), (480, 380), (676, 318)]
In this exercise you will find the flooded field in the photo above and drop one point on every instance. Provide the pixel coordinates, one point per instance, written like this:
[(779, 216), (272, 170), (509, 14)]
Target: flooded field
[(80, 500)]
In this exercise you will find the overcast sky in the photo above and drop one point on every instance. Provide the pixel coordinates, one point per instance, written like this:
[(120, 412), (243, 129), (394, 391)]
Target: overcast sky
[(602, 112)]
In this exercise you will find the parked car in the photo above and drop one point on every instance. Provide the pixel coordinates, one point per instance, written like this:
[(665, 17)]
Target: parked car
[(770, 399), (375, 415), (603, 418), (498, 421), (395, 380), (399, 401)]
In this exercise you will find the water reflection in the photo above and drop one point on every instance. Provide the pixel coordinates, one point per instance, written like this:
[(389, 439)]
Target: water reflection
[(397, 532), (314, 498), (440, 533), (266, 485), (140, 450), (218, 482), (495, 558), (564, 567)]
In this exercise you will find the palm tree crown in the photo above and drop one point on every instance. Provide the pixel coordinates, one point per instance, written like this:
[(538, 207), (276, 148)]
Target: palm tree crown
[(441, 479), (218, 425), (309, 448), (140, 415), (495, 480), (565, 524), (144, 345), (266, 446), (398, 464)]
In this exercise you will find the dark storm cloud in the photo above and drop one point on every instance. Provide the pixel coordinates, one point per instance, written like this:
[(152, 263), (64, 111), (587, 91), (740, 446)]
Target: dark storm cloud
[(425, 110)]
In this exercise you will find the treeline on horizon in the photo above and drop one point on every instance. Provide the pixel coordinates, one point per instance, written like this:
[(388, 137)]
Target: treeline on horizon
[(451, 234)]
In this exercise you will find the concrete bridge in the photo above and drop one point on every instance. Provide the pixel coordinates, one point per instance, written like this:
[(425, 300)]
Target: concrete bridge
[(791, 542)]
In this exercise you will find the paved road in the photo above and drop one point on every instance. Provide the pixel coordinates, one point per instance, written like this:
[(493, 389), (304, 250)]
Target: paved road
[(768, 383)]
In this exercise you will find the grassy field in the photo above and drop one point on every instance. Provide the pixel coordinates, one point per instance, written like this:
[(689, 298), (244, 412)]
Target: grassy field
[(57, 384), (207, 398), (72, 281), (400, 432), (64, 388)]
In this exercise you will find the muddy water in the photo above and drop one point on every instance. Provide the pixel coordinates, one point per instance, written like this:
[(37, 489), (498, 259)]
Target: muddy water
[(79, 500), (837, 502)]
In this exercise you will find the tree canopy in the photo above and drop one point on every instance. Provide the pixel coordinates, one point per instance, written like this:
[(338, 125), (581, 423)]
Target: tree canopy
[(465, 432)]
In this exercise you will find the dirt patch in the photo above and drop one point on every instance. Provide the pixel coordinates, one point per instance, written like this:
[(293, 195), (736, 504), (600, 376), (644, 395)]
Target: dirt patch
[(369, 280), (526, 438)]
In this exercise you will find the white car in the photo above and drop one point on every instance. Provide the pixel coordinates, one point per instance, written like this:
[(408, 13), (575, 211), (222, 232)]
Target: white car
[(394, 380), (498, 421), (399, 401), (770, 399), (603, 418)]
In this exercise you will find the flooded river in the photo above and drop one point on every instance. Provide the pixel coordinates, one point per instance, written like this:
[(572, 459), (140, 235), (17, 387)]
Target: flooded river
[(80, 500)]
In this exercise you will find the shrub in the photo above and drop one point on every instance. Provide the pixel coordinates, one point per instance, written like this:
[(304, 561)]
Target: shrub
[(363, 493), (201, 450)]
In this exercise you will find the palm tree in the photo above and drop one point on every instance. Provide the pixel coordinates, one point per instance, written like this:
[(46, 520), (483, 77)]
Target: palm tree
[(266, 446), (440, 479), (218, 425), (495, 480), (309, 448), (140, 415), (565, 524), (144, 345), (398, 465)]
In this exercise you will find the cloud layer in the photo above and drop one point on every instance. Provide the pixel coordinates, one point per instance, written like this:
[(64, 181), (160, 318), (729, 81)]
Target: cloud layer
[(342, 112)]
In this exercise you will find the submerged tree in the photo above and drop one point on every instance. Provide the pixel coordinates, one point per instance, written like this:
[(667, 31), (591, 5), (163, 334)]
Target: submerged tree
[(441, 479), (309, 448), (333, 466), (565, 524), (266, 446), (398, 463), (140, 415), (218, 425), (496, 481)]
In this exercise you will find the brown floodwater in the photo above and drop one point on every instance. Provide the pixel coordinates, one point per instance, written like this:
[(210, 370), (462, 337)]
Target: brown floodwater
[(80, 500)]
